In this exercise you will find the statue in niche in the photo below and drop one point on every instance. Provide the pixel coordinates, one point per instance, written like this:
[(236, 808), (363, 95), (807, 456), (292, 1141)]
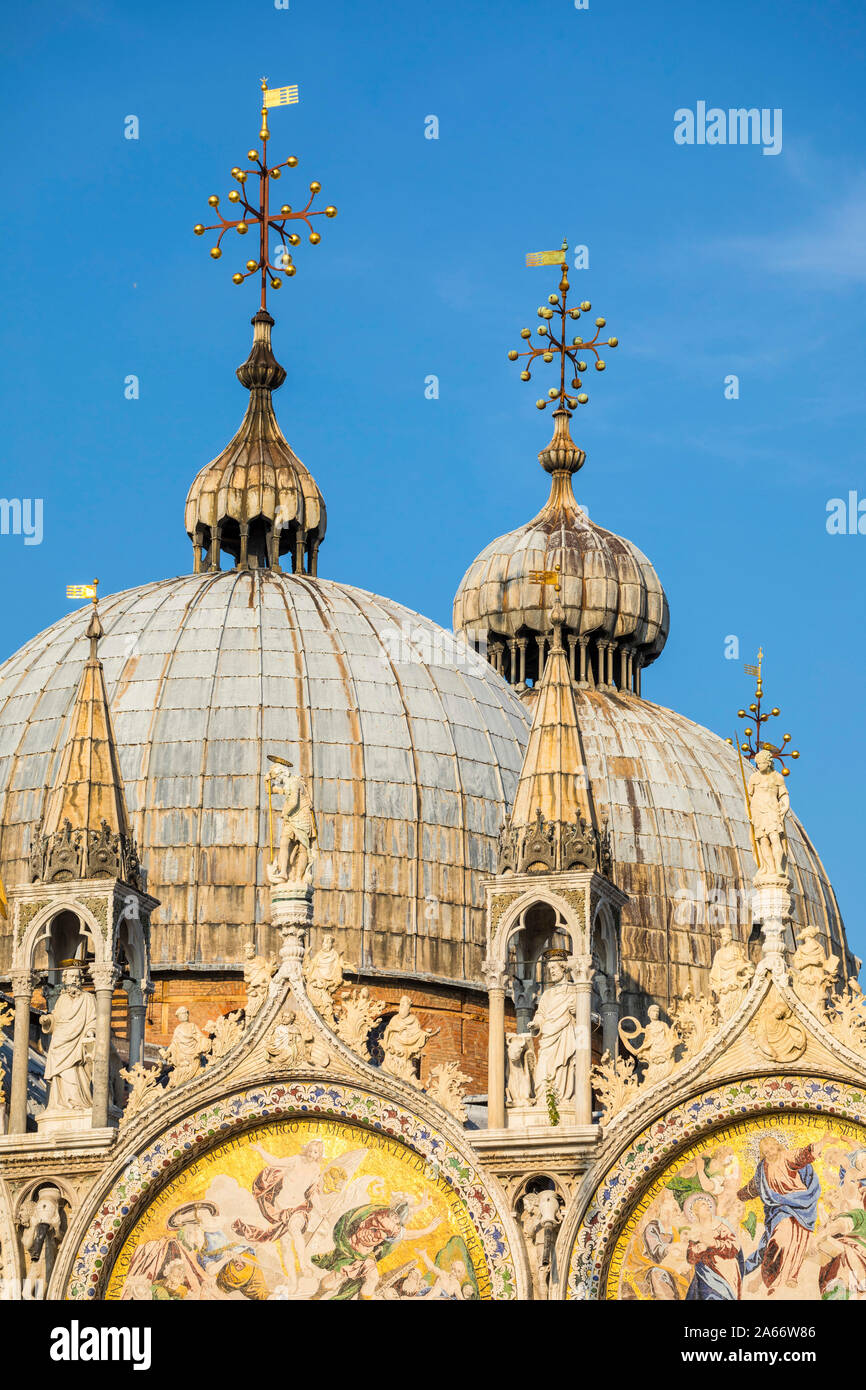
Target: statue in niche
[(187, 1047), (540, 1217), (41, 1224), (554, 1026), (813, 972), (769, 803), (71, 1026), (295, 856), (657, 1047), (730, 974), (403, 1042), (257, 977), (323, 973), (519, 1069)]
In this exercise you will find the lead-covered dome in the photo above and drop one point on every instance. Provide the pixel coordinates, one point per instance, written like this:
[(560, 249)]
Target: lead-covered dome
[(616, 612), (411, 745)]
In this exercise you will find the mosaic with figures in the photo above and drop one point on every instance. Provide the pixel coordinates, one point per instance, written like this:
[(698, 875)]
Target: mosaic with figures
[(771, 1208), (304, 1209)]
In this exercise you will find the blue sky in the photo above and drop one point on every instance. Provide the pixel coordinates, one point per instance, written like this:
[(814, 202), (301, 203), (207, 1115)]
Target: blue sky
[(705, 260)]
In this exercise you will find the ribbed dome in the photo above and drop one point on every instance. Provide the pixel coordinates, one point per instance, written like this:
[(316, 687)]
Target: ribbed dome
[(412, 754), (256, 501), (616, 612)]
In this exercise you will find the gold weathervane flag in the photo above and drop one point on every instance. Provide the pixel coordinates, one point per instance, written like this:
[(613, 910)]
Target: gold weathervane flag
[(281, 96), (81, 591), (547, 257)]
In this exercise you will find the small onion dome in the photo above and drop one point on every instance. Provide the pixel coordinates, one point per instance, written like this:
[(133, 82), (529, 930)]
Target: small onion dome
[(615, 610), (256, 500)]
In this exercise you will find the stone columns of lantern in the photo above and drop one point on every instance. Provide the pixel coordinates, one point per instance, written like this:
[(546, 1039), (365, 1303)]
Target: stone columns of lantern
[(512, 659), (601, 648), (243, 559), (496, 979), (22, 993), (541, 640), (583, 645), (581, 969), (104, 978), (521, 647), (572, 647), (623, 665), (611, 650)]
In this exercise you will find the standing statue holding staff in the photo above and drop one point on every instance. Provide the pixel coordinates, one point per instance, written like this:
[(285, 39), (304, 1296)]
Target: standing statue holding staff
[(295, 855)]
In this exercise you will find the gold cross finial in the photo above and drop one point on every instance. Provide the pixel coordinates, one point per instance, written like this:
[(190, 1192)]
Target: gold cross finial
[(551, 345), (755, 715), (260, 216)]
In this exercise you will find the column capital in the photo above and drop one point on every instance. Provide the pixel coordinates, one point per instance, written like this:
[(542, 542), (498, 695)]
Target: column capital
[(495, 975), (105, 976), (581, 970), (23, 983)]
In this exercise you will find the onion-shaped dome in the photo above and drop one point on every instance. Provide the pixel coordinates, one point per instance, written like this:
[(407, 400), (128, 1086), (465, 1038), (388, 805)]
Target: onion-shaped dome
[(616, 612), (256, 500)]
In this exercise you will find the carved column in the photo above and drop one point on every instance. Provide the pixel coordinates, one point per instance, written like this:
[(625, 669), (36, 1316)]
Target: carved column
[(243, 558), (22, 991), (541, 640), (609, 1015), (623, 663), (313, 559), (521, 647), (572, 646), (299, 551), (136, 1007), (496, 978), (581, 969), (104, 977), (611, 648), (601, 648), (512, 657), (216, 537), (583, 644)]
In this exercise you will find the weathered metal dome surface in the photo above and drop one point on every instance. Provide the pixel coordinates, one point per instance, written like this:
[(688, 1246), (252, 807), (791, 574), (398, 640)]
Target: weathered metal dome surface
[(672, 796), (411, 754)]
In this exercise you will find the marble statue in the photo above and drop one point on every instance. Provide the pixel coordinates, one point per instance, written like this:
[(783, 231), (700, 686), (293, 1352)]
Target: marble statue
[(448, 1086), (403, 1042), (298, 837), (71, 1026), (41, 1224), (187, 1047), (359, 1016), (323, 973), (730, 974), (540, 1217), (657, 1047), (554, 1025), (812, 972), (769, 803), (257, 977), (519, 1069)]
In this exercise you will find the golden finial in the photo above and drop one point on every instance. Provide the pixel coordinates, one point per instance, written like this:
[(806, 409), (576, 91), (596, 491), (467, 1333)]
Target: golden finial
[(557, 304), (755, 715), (546, 577), (260, 216)]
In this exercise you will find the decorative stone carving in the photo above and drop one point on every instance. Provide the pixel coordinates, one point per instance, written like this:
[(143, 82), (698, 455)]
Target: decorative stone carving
[(541, 1216), (813, 972), (226, 1032), (657, 1047), (696, 1019), (545, 847), (145, 1084), (69, 1065), (730, 974), (615, 1082), (776, 1031), (41, 1225), (185, 1051), (769, 803), (498, 907), (358, 1017), (403, 1042), (80, 854), (323, 973), (447, 1085), (554, 1026), (296, 850), (519, 1069), (847, 1017), (289, 1041), (257, 978)]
